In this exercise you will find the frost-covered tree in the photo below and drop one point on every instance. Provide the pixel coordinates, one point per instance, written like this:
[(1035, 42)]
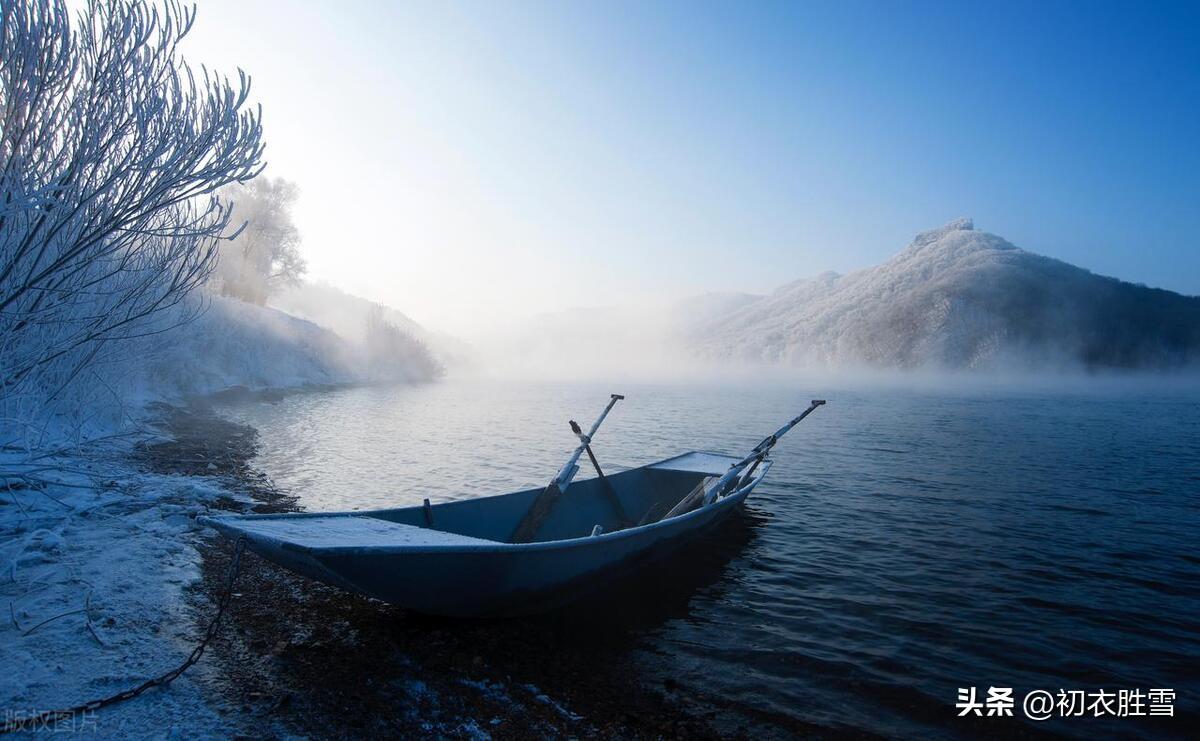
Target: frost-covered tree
[(395, 354), (112, 150), (265, 256)]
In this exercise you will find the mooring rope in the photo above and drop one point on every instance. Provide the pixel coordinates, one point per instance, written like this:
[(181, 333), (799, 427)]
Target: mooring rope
[(45, 718)]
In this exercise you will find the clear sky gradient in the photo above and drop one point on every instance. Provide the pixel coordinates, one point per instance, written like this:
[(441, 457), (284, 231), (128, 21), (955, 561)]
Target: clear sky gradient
[(472, 163)]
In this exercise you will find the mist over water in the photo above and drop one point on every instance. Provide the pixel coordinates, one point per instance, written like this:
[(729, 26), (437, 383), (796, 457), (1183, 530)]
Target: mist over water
[(912, 538)]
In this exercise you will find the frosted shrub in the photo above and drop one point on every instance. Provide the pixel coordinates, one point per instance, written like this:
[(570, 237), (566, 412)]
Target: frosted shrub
[(111, 150)]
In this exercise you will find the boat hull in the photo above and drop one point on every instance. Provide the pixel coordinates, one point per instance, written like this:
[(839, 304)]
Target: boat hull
[(516, 581), (463, 575)]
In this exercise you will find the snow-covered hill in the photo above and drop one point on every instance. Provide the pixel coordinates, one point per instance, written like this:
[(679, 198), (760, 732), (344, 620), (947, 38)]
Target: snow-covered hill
[(237, 344), (959, 298), (347, 315), (233, 344)]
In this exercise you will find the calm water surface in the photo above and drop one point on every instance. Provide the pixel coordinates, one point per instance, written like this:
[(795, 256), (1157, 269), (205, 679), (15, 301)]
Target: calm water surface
[(905, 544)]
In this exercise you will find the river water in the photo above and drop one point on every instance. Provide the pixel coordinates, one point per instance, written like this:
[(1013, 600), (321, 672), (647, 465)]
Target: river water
[(907, 543)]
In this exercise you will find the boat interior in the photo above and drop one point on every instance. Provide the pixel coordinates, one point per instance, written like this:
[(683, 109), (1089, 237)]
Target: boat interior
[(645, 495)]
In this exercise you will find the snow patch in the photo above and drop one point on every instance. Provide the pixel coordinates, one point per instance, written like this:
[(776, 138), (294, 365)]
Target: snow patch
[(92, 577), (961, 224)]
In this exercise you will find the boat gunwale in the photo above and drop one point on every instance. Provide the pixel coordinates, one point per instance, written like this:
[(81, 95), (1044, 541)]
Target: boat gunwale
[(226, 524)]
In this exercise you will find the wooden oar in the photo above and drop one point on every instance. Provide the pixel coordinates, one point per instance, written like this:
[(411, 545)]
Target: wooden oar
[(757, 455), (536, 515), (707, 491), (691, 500), (605, 484)]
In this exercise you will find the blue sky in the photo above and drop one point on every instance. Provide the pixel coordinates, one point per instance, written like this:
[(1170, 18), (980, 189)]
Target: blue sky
[(474, 162)]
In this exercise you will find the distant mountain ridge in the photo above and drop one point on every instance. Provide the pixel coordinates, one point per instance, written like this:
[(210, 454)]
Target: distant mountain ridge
[(957, 297)]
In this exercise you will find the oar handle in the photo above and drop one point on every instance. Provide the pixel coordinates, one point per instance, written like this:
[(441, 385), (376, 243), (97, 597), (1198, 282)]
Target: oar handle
[(612, 402), (567, 472)]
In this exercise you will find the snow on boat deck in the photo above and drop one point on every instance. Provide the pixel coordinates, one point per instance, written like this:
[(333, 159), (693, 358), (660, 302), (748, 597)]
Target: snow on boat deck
[(714, 464), (340, 531)]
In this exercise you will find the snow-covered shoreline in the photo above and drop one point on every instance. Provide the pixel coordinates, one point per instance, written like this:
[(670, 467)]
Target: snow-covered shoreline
[(95, 572)]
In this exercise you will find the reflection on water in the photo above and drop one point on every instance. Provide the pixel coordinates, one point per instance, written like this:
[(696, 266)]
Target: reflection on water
[(904, 544), (664, 590)]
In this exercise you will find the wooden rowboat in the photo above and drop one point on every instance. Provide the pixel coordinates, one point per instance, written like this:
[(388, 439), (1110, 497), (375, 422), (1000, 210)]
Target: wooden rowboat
[(458, 558)]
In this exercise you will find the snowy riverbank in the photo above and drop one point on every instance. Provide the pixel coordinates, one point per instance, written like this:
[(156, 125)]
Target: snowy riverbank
[(111, 582), (236, 344), (96, 566)]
